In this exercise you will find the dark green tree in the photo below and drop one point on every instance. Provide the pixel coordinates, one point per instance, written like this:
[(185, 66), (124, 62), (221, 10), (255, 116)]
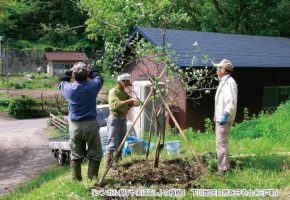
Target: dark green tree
[(54, 22)]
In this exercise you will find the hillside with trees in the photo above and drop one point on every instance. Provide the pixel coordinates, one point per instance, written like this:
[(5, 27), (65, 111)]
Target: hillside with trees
[(46, 25)]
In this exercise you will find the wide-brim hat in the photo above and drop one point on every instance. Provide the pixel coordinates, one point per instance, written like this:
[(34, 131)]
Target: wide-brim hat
[(225, 64)]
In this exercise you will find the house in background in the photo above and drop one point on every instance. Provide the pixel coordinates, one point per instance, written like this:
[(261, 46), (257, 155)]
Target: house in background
[(57, 62), (262, 69)]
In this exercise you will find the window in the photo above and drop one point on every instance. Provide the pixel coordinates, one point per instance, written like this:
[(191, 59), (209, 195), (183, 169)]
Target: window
[(62, 66), (274, 96), (59, 66), (68, 66)]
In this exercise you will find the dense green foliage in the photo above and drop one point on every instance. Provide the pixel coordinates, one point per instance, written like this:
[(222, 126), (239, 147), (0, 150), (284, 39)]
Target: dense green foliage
[(112, 19), (275, 126), (21, 107), (55, 24), (4, 103), (26, 107)]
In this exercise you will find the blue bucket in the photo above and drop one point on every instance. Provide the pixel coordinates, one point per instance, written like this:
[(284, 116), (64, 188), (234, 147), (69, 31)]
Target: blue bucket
[(173, 147), (129, 140)]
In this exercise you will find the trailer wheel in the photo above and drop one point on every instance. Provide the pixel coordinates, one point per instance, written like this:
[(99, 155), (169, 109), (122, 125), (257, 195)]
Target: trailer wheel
[(60, 157)]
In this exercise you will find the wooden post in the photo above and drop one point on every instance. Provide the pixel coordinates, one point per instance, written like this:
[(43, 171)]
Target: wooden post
[(41, 96)]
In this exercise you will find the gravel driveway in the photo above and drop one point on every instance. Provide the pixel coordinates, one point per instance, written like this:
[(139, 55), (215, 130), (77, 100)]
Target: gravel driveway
[(23, 151)]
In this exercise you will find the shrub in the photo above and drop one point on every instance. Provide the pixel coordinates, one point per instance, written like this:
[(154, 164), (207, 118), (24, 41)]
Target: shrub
[(4, 102), (19, 86), (275, 125), (246, 113), (47, 85), (21, 107), (248, 129), (209, 126), (56, 111)]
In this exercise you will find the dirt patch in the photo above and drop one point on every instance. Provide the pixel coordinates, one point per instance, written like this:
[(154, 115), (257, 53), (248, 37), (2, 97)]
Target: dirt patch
[(32, 93), (4, 116), (180, 173), (47, 94), (177, 173)]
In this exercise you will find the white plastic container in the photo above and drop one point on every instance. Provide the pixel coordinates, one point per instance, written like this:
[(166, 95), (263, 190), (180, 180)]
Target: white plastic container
[(137, 147), (173, 147)]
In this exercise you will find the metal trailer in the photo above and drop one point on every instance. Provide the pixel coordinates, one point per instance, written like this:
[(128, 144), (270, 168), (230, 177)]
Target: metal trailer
[(60, 148)]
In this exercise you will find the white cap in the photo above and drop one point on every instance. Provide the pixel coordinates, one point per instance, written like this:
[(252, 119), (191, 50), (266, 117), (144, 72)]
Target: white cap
[(124, 77), (79, 67), (226, 64)]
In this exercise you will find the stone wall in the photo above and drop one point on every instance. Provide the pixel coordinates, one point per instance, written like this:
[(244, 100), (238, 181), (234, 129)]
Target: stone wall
[(21, 61)]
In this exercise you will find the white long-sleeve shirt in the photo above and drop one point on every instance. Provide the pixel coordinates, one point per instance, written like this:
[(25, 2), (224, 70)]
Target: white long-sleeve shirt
[(226, 99)]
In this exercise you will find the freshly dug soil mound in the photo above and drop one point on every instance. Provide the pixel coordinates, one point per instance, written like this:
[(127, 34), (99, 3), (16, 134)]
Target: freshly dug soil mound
[(177, 172)]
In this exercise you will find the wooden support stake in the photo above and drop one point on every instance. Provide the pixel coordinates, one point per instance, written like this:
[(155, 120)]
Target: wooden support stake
[(150, 133), (182, 133)]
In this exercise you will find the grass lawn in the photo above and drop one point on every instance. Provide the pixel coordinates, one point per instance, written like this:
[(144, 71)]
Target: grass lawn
[(39, 81)]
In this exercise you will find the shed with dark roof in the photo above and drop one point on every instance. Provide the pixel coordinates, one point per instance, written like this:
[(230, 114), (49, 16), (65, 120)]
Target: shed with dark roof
[(262, 68), (57, 62)]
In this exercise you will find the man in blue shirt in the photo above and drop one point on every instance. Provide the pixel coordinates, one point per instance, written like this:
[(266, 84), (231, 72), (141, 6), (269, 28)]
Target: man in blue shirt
[(83, 126)]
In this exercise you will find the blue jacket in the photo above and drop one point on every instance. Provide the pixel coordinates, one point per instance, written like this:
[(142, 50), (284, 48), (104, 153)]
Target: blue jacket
[(81, 97)]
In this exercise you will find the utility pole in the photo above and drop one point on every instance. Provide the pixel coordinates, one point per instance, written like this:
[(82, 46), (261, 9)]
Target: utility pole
[(7, 69), (1, 62)]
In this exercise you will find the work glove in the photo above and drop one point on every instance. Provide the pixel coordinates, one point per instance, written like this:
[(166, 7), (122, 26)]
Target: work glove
[(93, 74), (66, 76), (224, 118)]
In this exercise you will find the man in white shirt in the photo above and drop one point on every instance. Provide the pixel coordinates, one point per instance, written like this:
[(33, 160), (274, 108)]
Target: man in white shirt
[(225, 112)]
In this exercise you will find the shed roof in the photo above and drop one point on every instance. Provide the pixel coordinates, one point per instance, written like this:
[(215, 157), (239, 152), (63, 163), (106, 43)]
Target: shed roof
[(68, 56), (242, 50)]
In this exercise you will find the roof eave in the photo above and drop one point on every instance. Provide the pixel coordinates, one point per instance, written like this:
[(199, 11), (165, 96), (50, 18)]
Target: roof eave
[(126, 43)]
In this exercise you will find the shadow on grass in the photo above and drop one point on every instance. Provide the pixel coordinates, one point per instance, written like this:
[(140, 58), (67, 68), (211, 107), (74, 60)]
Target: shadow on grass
[(273, 162), (259, 162)]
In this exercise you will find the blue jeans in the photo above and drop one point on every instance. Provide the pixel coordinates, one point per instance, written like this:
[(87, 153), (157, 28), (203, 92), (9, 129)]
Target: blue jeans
[(117, 128)]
